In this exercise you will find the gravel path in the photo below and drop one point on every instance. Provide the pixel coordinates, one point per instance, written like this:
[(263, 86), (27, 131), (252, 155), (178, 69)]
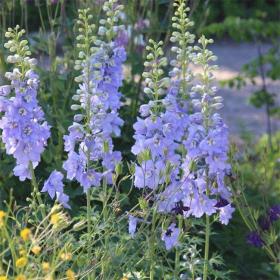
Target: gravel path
[(240, 116)]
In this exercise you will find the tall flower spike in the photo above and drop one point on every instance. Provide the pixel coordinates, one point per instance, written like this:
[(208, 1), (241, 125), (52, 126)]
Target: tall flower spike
[(206, 164), (24, 129), (154, 146), (181, 77), (89, 143), (182, 41), (177, 101)]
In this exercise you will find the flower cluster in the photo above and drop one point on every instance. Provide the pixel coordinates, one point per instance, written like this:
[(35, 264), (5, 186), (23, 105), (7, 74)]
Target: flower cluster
[(202, 189), (154, 129), (181, 141), (24, 129), (54, 187), (254, 237), (89, 142)]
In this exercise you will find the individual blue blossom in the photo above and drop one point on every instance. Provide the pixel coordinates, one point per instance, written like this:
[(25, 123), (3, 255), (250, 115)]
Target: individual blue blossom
[(225, 214), (54, 187), (24, 129), (254, 239), (53, 184), (171, 236), (149, 174), (63, 199), (89, 144)]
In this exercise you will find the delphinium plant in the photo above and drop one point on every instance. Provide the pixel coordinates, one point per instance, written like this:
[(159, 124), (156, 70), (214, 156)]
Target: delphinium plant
[(24, 129), (29, 234), (181, 127), (179, 179), (91, 159), (89, 144)]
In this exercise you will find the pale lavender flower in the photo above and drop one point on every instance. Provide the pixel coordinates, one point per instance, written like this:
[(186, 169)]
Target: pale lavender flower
[(54, 187), (171, 236), (63, 199), (225, 214), (54, 184), (89, 144), (24, 129)]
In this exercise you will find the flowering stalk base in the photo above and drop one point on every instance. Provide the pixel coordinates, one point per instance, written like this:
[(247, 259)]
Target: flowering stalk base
[(206, 250)]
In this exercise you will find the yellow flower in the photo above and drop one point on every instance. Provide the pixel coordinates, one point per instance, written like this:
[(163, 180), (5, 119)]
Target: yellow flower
[(3, 277), (21, 262), (25, 234), (59, 220), (21, 277), (45, 266), (2, 216), (66, 256), (124, 278), (36, 249), (55, 218), (70, 274)]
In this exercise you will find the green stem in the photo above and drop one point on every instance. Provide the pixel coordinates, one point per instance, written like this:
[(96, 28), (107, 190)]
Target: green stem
[(36, 190), (88, 211), (105, 219), (177, 256), (206, 250), (152, 247)]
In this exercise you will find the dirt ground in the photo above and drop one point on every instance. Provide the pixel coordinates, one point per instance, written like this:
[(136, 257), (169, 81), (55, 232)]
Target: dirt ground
[(241, 117)]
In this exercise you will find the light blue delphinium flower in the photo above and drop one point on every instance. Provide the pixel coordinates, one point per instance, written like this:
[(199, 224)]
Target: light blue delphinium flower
[(24, 129), (89, 144)]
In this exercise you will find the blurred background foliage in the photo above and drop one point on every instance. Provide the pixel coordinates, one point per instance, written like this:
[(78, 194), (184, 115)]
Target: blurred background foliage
[(50, 26)]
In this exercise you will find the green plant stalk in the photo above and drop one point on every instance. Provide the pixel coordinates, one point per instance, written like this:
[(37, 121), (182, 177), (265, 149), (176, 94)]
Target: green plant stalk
[(206, 249), (267, 248), (88, 210), (105, 217), (152, 247), (36, 190), (177, 254), (10, 244)]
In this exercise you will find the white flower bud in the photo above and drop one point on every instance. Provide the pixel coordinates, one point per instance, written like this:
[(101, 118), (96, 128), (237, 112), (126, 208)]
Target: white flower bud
[(75, 107), (217, 106)]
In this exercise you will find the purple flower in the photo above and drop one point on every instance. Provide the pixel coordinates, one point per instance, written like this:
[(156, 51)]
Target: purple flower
[(265, 223), (171, 236), (274, 213), (63, 199), (149, 175), (141, 24), (254, 239), (24, 129), (89, 144), (179, 208), (53, 184), (225, 214)]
